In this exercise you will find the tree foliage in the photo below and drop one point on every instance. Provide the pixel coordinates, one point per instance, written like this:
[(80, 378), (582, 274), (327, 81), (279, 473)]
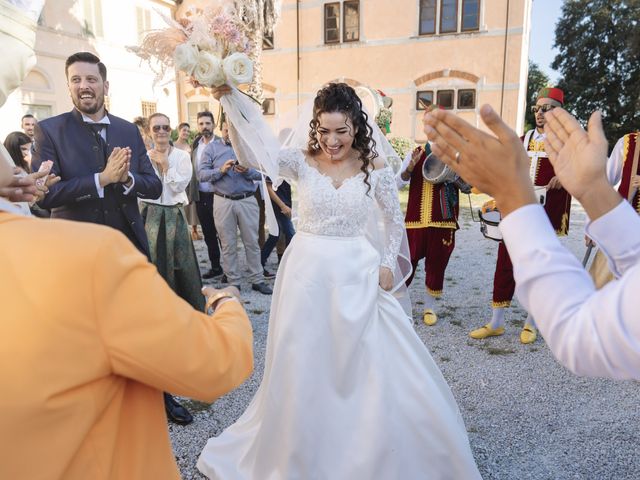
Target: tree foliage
[(536, 80), (599, 60)]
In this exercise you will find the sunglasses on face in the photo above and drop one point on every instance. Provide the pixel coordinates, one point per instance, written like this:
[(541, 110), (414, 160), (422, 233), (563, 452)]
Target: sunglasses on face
[(544, 108), (157, 128)]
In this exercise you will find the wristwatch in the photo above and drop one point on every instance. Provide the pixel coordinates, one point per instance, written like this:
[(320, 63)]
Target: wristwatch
[(214, 299)]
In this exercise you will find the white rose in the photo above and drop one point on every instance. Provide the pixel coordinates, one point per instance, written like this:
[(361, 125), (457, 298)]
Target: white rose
[(238, 68), (208, 70), (185, 57)]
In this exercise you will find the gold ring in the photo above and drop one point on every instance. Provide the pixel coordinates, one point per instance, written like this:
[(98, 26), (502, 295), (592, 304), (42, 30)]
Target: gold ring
[(457, 157)]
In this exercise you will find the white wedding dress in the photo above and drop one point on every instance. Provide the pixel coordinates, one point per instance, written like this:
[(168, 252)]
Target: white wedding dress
[(349, 391)]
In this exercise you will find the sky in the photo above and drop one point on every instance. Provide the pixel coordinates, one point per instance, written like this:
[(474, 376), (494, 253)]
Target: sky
[(543, 23)]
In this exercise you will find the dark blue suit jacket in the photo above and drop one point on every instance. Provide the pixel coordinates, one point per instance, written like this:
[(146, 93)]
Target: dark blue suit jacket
[(77, 157)]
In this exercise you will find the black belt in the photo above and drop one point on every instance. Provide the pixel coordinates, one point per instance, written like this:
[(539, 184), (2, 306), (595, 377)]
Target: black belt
[(235, 197)]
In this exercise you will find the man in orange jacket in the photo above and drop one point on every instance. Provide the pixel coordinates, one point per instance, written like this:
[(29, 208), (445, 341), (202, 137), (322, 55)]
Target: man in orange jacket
[(92, 335)]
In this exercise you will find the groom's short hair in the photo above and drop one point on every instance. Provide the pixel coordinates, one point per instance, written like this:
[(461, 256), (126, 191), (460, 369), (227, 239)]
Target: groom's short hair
[(86, 57)]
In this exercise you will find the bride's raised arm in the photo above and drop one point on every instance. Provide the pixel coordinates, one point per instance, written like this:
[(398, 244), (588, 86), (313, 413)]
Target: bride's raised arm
[(252, 139)]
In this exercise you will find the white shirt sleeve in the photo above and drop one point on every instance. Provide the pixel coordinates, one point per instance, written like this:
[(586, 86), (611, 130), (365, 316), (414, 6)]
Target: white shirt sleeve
[(615, 163), (128, 189), (99, 189), (594, 333), (178, 175), (400, 183)]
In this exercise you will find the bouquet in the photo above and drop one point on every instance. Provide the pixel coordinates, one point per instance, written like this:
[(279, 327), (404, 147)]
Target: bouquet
[(210, 45), (383, 119), (402, 145)]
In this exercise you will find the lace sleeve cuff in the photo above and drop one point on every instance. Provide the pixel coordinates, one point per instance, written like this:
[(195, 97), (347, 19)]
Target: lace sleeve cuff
[(386, 194)]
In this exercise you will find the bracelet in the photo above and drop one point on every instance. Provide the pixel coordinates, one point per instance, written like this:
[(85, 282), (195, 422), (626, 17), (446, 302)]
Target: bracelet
[(212, 300)]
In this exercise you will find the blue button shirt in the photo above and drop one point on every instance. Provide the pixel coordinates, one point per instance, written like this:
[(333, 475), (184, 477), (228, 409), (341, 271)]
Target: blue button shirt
[(231, 182)]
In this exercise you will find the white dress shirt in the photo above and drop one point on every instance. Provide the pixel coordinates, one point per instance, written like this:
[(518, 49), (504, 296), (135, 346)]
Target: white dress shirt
[(175, 179), (591, 332)]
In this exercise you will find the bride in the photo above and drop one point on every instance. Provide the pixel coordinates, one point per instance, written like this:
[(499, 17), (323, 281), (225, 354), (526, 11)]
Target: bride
[(349, 391)]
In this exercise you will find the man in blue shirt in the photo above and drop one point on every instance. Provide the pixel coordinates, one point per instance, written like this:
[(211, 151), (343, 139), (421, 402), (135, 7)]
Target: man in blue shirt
[(235, 208)]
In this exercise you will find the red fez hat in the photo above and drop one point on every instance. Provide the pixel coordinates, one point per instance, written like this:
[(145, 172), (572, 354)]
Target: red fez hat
[(552, 93)]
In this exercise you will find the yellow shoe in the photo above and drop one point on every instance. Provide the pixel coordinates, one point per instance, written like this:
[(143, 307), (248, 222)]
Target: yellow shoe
[(429, 317), (528, 334), (486, 331)]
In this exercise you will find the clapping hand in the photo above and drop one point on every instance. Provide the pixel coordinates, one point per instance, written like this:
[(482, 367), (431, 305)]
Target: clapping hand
[(160, 160), (124, 178), (579, 158), (496, 165), (23, 188), (117, 168), (43, 187)]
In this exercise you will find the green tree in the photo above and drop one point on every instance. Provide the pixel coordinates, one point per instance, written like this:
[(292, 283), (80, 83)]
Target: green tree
[(599, 60), (536, 80)]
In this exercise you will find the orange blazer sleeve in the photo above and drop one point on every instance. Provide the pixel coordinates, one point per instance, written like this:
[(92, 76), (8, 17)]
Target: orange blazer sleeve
[(153, 336)]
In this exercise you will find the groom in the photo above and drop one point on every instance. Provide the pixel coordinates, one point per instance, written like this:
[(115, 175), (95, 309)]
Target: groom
[(101, 158)]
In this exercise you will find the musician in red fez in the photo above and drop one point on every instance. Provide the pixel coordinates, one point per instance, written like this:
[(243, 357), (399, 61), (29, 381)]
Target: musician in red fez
[(557, 204), (431, 222)]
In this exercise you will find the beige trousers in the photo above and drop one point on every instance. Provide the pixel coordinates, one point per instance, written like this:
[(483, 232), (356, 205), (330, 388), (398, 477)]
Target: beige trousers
[(229, 216)]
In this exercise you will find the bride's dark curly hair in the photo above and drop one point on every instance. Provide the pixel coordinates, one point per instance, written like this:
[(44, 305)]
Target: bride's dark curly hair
[(340, 97)]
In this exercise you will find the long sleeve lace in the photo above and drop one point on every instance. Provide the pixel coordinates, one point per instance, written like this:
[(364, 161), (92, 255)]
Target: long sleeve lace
[(288, 159), (386, 194)]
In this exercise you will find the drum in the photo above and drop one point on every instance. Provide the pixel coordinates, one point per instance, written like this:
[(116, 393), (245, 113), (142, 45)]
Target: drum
[(489, 221), (490, 218), (436, 172), (541, 194)]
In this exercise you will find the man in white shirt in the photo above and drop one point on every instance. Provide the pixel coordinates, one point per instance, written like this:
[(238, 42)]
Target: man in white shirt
[(591, 332)]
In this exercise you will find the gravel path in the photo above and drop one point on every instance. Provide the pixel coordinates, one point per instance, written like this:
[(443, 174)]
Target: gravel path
[(527, 416)]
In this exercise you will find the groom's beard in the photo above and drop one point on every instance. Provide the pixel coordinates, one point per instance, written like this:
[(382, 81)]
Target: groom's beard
[(206, 133)]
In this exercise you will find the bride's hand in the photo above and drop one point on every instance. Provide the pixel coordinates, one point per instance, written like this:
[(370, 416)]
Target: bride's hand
[(218, 92), (385, 278)]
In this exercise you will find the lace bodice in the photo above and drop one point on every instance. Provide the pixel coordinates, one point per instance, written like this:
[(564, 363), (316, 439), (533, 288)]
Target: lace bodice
[(344, 211)]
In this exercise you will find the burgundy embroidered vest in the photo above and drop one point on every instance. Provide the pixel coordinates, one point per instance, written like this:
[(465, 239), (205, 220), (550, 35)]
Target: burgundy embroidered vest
[(426, 206), (630, 145), (558, 201)]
